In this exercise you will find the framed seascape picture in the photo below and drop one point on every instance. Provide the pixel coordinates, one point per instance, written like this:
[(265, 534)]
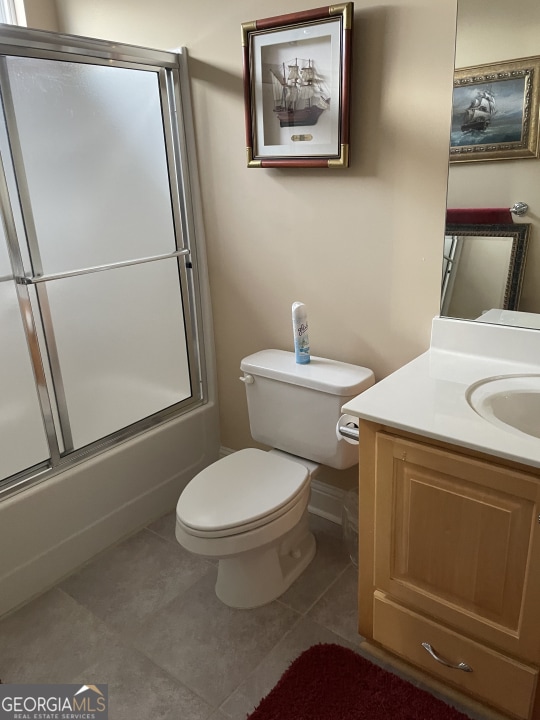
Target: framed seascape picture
[(495, 111), (296, 88)]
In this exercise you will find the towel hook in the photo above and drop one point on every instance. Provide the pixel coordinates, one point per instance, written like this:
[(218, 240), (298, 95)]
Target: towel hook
[(519, 208)]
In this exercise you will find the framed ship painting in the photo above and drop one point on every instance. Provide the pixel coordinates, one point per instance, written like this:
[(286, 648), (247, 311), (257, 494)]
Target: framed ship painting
[(296, 88), (495, 111)]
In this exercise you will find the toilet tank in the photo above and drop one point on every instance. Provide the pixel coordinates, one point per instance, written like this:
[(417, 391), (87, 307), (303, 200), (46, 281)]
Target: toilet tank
[(295, 408)]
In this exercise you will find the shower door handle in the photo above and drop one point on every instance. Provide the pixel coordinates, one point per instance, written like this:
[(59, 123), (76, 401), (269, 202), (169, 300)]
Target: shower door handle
[(100, 268)]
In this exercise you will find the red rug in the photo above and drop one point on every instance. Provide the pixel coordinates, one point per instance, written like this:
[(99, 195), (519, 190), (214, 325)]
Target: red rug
[(330, 682)]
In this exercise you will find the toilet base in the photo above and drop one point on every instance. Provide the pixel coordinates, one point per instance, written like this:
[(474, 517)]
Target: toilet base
[(261, 575)]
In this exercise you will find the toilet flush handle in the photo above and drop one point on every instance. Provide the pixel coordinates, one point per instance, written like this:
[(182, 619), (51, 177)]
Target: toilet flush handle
[(248, 379)]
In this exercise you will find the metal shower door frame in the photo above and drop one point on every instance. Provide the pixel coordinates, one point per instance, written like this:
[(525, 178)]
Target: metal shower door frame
[(171, 69)]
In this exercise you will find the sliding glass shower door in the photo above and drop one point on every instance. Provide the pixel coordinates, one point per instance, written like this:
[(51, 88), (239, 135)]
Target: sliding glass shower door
[(22, 432), (99, 280)]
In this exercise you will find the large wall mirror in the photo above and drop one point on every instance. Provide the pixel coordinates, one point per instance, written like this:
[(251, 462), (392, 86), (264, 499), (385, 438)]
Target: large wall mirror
[(507, 32)]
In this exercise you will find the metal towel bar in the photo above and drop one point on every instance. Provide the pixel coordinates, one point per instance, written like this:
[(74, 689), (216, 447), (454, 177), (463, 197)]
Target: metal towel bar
[(99, 268)]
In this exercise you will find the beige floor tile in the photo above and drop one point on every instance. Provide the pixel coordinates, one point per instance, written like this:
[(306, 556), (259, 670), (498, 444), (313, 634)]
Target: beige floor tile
[(337, 609), (209, 646), (218, 715), (140, 690), (49, 639), (134, 580), (165, 526)]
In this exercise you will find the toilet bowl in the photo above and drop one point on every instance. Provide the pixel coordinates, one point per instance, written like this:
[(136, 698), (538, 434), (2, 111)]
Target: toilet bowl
[(249, 510)]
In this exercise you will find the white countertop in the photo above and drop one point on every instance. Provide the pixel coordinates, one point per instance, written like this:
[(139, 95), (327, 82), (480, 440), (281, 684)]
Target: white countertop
[(428, 395)]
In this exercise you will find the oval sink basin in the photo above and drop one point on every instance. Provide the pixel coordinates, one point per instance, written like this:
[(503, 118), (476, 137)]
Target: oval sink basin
[(512, 402)]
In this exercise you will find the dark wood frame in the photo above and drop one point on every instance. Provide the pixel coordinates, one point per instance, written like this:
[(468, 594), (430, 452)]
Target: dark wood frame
[(340, 14), (516, 268)]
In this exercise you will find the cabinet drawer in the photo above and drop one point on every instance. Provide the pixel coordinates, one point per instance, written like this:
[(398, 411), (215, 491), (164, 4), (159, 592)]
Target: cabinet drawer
[(495, 678)]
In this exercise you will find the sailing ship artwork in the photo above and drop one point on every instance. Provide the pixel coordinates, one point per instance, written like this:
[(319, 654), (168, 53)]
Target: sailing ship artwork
[(479, 114), (296, 88), (488, 113), (299, 92)]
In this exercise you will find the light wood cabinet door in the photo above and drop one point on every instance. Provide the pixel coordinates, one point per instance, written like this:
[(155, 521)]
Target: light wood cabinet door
[(458, 540)]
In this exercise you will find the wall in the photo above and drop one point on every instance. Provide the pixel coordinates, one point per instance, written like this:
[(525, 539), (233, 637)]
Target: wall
[(512, 32), (361, 247), (41, 14), (480, 279)]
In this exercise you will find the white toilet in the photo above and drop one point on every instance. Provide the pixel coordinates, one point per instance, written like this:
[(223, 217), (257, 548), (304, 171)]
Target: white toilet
[(249, 509)]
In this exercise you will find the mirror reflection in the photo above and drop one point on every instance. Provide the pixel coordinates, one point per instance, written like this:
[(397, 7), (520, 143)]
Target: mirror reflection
[(507, 33), (483, 267)]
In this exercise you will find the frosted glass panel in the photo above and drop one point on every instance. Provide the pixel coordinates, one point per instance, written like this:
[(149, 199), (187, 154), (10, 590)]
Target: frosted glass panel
[(22, 436), (94, 156), (121, 345), (9, 173)]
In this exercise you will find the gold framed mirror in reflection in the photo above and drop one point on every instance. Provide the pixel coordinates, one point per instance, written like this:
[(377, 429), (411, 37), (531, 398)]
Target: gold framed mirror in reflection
[(483, 269), (497, 36)]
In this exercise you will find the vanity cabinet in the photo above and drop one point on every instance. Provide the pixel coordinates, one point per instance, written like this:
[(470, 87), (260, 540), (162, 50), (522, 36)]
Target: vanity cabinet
[(450, 565)]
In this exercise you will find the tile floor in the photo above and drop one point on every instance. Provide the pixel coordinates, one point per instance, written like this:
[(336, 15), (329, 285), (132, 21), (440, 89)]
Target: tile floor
[(143, 617)]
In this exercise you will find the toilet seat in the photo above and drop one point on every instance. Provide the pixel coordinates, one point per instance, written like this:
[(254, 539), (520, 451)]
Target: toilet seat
[(241, 492)]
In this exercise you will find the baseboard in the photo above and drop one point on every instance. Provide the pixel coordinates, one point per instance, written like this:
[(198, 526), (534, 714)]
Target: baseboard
[(326, 500)]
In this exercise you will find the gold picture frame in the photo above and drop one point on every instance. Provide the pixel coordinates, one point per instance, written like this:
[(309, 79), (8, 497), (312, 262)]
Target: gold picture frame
[(495, 111)]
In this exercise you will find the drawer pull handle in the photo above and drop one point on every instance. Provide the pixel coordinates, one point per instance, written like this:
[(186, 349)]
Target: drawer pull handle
[(460, 666)]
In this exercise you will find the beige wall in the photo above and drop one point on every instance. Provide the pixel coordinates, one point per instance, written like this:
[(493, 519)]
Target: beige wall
[(480, 280), (41, 14), (501, 184), (361, 247)]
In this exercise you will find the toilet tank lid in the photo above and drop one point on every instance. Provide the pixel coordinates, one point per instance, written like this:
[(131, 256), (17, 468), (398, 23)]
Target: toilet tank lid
[(331, 376)]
